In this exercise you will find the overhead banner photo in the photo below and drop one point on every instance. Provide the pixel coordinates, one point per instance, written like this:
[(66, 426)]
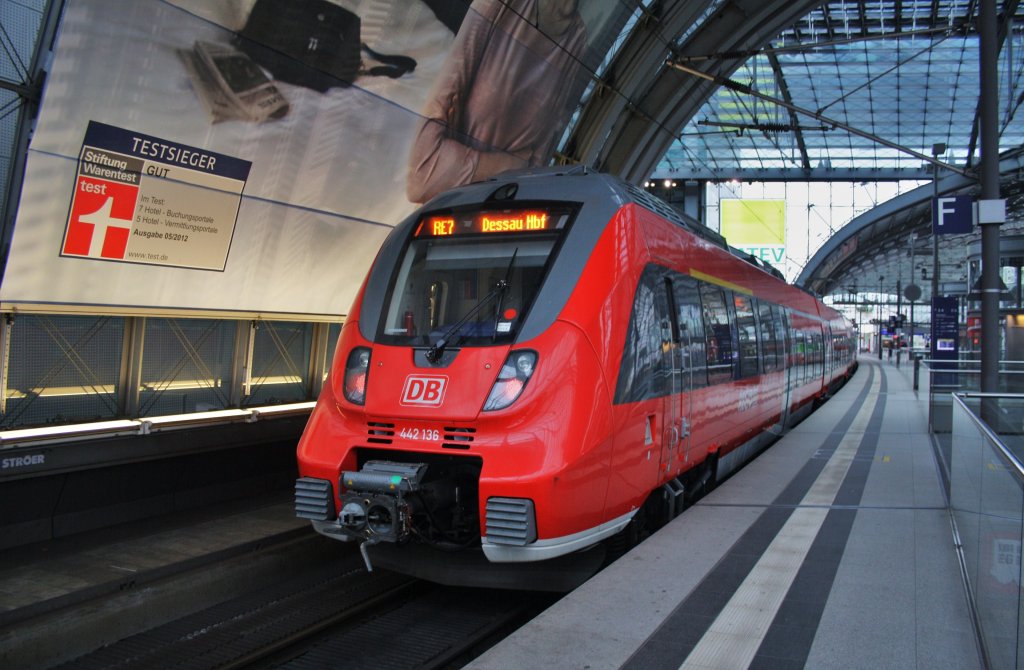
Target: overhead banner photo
[(251, 156)]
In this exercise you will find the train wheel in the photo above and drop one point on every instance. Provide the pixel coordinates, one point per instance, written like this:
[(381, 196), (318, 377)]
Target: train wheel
[(646, 520), (705, 481), (712, 480)]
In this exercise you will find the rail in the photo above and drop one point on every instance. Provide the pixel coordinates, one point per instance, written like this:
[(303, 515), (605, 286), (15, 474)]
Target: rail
[(986, 500)]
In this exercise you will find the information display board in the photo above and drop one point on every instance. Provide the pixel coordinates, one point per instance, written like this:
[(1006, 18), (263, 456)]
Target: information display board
[(945, 339)]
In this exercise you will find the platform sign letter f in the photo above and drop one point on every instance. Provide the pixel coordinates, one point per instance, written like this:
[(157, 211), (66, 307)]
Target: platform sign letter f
[(952, 216)]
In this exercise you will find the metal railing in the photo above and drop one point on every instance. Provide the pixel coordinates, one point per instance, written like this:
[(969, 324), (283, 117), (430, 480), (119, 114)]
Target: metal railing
[(945, 377), (986, 500)]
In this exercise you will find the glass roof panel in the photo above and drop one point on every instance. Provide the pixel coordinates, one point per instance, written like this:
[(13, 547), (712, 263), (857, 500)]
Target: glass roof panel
[(903, 71)]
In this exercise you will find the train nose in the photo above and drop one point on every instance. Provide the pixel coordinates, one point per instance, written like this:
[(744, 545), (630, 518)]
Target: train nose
[(405, 386)]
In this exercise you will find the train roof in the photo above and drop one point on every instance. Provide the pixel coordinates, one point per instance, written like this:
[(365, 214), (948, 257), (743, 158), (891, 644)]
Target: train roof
[(600, 196), (633, 193)]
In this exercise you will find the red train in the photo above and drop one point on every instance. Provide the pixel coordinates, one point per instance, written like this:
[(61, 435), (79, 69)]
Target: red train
[(545, 361)]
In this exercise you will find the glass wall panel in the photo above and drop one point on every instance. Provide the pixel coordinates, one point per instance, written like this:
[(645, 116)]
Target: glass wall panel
[(987, 499), (62, 369), (280, 365), (186, 366)]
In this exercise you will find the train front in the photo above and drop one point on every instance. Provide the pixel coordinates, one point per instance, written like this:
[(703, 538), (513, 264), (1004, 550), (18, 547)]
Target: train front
[(436, 439)]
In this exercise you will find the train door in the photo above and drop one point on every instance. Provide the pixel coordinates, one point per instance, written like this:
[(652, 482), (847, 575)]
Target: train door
[(786, 348), (773, 363), (690, 361), (672, 352), (830, 355), (646, 379)]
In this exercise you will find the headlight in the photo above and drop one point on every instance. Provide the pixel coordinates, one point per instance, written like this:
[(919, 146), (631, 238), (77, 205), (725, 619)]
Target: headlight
[(357, 369), (516, 371)]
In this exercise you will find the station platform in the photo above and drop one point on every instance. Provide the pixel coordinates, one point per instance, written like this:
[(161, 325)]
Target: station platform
[(832, 549)]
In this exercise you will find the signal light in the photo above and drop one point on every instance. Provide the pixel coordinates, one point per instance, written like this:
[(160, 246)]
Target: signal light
[(516, 371), (357, 369)]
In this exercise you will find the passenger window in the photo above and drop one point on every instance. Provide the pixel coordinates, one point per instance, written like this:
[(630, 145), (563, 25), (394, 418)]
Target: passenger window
[(767, 330), (691, 329), (799, 356), (829, 350), (717, 334), (646, 361), (818, 348), (746, 327), (780, 336)]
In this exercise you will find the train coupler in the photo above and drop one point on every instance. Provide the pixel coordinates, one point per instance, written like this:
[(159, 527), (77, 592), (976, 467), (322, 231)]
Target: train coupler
[(374, 507), (364, 554)]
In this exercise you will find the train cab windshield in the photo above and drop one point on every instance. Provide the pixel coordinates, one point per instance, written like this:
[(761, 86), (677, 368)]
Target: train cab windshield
[(469, 277)]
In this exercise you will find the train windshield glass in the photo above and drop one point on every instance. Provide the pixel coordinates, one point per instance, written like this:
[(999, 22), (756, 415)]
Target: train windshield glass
[(470, 278)]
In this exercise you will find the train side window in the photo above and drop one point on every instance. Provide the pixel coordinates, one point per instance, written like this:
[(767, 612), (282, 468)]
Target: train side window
[(808, 354), (691, 329), (717, 334), (667, 344), (820, 347), (781, 330), (829, 350), (817, 352), (746, 328), (647, 356), (769, 351), (799, 355)]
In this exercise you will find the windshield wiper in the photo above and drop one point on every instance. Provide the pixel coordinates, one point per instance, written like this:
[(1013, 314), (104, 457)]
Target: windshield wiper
[(436, 350), (504, 284)]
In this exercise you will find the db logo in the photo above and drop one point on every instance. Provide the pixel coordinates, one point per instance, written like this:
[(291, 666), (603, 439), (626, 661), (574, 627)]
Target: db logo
[(424, 390)]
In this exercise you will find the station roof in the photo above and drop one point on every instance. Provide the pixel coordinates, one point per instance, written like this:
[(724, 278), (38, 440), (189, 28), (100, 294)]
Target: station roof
[(812, 91)]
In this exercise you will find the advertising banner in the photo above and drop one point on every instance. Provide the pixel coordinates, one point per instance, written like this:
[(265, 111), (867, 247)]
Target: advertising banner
[(757, 227), (252, 155)]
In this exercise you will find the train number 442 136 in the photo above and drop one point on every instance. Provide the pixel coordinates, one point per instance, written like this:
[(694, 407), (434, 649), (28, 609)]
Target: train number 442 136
[(426, 434)]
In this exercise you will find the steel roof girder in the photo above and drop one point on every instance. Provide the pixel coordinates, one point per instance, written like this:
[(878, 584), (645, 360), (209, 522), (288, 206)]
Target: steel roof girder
[(638, 140), (631, 71), (910, 210)]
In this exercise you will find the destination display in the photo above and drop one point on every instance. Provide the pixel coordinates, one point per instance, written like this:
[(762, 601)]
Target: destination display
[(524, 221), (141, 199)]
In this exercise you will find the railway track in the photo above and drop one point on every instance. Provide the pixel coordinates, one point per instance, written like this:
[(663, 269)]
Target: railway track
[(336, 616), (436, 627)]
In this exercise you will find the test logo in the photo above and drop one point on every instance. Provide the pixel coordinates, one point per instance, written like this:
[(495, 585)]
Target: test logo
[(424, 390), (101, 219)]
